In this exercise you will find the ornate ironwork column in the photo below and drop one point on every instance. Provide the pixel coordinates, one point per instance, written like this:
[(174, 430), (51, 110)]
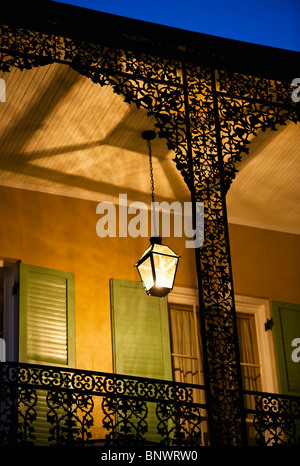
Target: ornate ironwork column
[(217, 311), (224, 111)]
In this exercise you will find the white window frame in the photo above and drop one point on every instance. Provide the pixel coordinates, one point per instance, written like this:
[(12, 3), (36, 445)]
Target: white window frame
[(259, 309)]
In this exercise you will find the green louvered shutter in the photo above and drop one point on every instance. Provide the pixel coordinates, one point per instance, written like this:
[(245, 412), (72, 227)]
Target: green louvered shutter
[(47, 316), (141, 338), (46, 331), (286, 328)]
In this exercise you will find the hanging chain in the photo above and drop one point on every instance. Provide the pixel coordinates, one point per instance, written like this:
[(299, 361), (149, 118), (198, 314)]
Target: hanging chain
[(152, 188), (151, 171)]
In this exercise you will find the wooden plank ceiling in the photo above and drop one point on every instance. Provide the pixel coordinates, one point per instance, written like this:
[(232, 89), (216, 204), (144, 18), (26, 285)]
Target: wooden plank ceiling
[(63, 134)]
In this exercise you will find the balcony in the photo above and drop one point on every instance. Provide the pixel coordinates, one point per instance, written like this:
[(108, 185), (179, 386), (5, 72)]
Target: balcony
[(43, 405)]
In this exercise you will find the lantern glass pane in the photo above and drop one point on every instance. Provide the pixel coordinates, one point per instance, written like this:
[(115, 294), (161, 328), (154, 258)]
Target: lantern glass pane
[(165, 268), (161, 248), (145, 270)]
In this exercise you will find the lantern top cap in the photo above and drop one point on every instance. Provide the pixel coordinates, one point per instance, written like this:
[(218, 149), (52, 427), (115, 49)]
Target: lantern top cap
[(155, 240)]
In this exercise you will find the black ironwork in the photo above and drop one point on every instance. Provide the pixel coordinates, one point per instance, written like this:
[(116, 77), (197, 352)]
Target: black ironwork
[(269, 324), (44, 405), (273, 420), (62, 406), (208, 116)]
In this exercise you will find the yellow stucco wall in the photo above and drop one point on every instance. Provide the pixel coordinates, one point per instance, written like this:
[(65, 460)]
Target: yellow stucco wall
[(60, 233), (265, 263)]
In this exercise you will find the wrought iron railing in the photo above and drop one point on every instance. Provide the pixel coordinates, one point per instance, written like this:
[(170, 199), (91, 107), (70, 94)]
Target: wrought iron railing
[(272, 419), (43, 405), (62, 406)]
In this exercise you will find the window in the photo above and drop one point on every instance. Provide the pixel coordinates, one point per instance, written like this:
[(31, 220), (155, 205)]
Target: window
[(248, 349), (186, 353), (143, 333), (185, 344), (257, 357), (255, 344), (186, 347), (160, 338)]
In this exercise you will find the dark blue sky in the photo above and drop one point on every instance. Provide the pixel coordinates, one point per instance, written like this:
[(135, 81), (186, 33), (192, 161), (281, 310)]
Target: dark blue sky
[(275, 23)]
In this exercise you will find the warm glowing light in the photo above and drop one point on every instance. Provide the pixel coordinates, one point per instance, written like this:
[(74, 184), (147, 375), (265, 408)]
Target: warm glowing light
[(157, 268)]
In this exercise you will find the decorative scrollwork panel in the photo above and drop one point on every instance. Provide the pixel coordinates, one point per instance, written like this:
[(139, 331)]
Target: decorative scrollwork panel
[(179, 425), (277, 420), (45, 405)]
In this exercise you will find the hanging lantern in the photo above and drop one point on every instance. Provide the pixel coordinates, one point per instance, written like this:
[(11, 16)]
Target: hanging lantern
[(157, 268), (158, 265)]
